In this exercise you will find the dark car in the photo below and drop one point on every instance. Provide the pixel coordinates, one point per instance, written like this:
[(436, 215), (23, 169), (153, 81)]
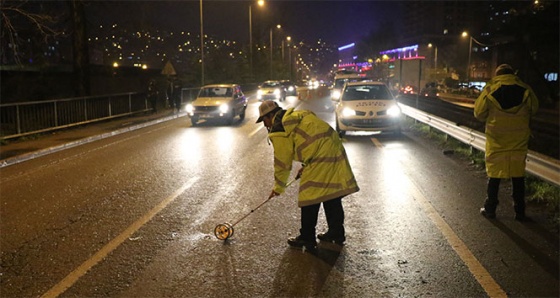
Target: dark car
[(430, 92), (408, 90), (291, 88)]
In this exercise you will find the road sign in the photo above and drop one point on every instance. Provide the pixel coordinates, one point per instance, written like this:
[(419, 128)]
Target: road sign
[(168, 69)]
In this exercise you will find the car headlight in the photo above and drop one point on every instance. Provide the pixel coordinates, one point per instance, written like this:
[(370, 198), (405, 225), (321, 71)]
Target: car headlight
[(259, 92), (224, 108), (277, 92), (394, 111), (335, 94), (190, 108), (347, 112), (291, 88)]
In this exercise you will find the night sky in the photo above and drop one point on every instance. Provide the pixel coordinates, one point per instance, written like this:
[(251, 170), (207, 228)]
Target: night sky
[(336, 22)]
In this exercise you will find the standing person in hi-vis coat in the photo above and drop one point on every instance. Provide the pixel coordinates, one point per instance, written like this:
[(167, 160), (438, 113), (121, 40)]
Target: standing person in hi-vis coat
[(506, 105)]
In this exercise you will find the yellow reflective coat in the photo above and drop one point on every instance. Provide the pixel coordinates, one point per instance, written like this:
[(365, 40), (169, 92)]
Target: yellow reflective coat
[(307, 139), (506, 104)]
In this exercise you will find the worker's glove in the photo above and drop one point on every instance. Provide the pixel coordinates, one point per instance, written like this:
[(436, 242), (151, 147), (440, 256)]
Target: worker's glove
[(299, 173)]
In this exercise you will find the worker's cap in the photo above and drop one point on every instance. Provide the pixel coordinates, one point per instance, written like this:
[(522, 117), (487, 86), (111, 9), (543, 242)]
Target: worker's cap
[(265, 108), (504, 69)]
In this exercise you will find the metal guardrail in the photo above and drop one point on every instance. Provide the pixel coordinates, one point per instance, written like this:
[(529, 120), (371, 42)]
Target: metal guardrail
[(539, 165), (33, 117), (26, 118)]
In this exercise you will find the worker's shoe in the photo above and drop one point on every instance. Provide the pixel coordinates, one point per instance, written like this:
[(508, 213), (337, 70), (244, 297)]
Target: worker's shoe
[(487, 214), (328, 238), (299, 242)]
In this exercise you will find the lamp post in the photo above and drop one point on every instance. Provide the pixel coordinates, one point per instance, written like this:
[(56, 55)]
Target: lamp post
[(471, 39), (435, 54), (289, 39), (260, 3), (201, 46), (277, 26), (469, 62), (465, 34)]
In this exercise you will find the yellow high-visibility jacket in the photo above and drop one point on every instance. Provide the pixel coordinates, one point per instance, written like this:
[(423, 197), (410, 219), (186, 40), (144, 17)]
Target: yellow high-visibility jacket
[(506, 104), (307, 139)]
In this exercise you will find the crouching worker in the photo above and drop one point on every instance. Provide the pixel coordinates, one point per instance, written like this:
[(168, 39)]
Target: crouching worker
[(326, 175)]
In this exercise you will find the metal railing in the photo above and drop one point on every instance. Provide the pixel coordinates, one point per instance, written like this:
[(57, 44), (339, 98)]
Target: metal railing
[(26, 118), (539, 165), (33, 117)]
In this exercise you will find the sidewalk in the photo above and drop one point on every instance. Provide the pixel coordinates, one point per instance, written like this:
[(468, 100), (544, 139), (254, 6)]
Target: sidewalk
[(26, 148)]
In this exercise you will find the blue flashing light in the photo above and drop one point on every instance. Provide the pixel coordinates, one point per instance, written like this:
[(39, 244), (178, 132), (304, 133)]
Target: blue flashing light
[(342, 48)]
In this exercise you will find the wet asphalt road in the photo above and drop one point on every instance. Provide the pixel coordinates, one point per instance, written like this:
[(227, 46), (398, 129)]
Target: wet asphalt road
[(133, 215)]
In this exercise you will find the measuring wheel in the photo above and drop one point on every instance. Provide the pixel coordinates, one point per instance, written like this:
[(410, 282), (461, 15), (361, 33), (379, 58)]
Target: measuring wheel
[(223, 231)]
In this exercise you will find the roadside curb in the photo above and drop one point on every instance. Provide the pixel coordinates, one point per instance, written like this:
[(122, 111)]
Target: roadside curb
[(457, 99), (42, 152)]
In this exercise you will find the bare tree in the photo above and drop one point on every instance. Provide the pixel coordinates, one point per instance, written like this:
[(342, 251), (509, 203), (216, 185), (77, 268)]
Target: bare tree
[(20, 16), (41, 22), (80, 48)]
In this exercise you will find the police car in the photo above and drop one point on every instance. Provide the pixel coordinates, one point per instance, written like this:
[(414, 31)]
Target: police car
[(367, 106)]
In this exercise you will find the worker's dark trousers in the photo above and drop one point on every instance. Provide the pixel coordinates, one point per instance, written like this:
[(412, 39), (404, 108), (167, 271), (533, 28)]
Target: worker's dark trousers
[(518, 194), (335, 219)]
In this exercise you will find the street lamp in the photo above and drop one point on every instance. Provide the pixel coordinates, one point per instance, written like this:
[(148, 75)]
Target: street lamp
[(260, 3), (435, 54), (277, 26), (465, 34), (471, 39), (201, 46), (289, 39)]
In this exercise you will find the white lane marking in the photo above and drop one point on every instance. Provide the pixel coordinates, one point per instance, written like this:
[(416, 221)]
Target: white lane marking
[(480, 273), (254, 132), (377, 143), (71, 278)]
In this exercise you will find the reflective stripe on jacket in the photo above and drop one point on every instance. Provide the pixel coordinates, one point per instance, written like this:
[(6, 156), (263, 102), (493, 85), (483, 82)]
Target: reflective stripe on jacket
[(506, 104), (307, 139)]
